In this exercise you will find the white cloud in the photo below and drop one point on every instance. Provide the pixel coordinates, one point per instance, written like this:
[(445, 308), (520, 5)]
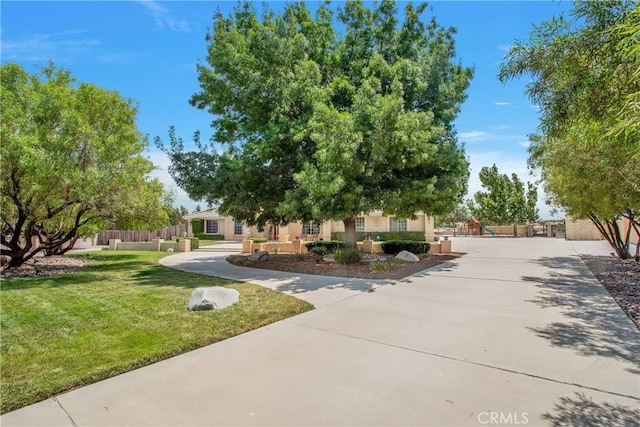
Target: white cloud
[(505, 47), (473, 136), (162, 16), (162, 163), (500, 103), (62, 46)]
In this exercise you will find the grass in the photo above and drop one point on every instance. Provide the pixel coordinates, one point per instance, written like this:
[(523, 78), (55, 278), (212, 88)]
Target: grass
[(125, 311)]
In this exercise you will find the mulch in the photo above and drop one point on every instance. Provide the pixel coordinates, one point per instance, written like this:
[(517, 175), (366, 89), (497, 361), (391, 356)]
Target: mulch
[(315, 264)]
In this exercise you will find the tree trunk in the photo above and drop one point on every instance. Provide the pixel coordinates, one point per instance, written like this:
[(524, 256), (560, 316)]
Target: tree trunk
[(515, 229), (611, 232), (350, 235)]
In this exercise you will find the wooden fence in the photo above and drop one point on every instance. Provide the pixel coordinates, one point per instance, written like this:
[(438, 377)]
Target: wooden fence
[(141, 235)]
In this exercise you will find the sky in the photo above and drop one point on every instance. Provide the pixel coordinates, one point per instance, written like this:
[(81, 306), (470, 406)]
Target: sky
[(148, 51)]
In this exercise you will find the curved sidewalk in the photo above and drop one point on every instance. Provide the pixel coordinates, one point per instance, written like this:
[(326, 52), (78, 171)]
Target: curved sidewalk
[(517, 332)]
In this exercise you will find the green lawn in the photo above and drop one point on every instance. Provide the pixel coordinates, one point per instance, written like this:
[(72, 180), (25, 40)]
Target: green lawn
[(124, 312)]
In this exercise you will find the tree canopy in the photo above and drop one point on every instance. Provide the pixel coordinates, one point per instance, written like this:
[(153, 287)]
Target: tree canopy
[(315, 123), (71, 163), (505, 200), (585, 81)]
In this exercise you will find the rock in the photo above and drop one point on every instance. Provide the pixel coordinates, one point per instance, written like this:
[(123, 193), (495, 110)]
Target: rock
[(408, 256), (212, 298), (259, 256)]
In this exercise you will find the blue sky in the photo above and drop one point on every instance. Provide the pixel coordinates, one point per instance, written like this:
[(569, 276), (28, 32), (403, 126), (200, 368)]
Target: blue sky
[(148, 50)]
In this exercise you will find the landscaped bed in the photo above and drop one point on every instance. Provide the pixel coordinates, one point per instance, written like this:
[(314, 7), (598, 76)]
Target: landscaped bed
[(117, 312), (316, 264)]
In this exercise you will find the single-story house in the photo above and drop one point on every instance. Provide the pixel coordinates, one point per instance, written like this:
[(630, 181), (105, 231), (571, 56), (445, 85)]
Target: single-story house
[(214, 223)]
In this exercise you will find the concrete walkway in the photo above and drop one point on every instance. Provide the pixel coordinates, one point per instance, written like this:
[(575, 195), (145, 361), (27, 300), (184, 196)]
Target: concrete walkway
[(517, 332)]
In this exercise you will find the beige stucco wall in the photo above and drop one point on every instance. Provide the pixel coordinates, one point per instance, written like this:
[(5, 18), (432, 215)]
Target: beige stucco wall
[(583, 229)]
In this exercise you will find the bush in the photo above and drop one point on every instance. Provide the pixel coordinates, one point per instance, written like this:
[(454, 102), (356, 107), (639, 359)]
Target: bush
[(383, 235), (347, 256), (197, 225), (329, 245), (319, 250), (394, 247), (299, 257), (258, 239), (195, 242), (203, 236)]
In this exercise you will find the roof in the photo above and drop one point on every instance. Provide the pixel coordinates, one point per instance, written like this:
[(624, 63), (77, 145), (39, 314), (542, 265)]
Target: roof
[(207, 214)]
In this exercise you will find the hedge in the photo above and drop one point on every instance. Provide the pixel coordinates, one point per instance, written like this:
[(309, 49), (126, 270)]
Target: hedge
[(197, 225), (382, 235), (258, 239), (396, 246), (203, 236), (329, 245)]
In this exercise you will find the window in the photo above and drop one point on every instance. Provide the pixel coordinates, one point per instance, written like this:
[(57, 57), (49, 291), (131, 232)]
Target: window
[(397, 224), (211, 226), (237, 227), (310, 228), (360, 223)]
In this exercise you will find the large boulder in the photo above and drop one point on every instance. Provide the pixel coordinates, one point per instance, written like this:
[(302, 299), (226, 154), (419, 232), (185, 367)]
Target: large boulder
[(212, 298), (408, 256), (259, 256)]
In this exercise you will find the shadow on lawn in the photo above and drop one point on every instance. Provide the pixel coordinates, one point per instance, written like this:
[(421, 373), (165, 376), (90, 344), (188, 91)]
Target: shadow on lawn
[(583, 411), (595, 324)]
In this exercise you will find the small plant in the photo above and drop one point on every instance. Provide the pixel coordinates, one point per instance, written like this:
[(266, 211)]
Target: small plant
[(399, 261), (276, 250), (298, 257), (258, 239), (347, 256), (378, 266), (423, 256)]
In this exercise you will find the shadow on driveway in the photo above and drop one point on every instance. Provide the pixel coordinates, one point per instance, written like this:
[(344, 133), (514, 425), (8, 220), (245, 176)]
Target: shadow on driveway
[(595, 324)]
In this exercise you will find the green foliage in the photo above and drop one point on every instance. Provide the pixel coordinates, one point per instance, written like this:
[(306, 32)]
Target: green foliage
[(585, 80), (319, 250), (132, 313), (382, 235), (298, 257), (505, 201), (328, 246), (347, 256), (203, 236), (197, 225), (258, 239), (379, 266), (72, 163), (461, 213), (195, 242), (396, 246), (399, 261), (324, 117)]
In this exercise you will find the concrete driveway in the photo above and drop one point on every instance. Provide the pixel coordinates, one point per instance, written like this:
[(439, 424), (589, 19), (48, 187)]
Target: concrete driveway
[(517, 332)]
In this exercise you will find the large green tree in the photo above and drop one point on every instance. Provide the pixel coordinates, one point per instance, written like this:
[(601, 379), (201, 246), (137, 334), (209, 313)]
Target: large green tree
[(72, 161), (326, 124), (504, 200), (585, 80)]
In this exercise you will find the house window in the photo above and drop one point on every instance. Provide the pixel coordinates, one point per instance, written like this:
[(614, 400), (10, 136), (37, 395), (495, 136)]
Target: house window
[(237, 227), (310, 227), (211, 226), (397, 224), (360, 223)]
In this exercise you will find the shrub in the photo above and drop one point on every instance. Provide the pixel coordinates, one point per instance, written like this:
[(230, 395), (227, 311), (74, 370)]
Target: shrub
[(347, 256), (203, 236), (258, 239), (396, 246), (399, 261), (378, 266), (329, 245), (298, 257), (195, 242), (319, 250), (197, 225)]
